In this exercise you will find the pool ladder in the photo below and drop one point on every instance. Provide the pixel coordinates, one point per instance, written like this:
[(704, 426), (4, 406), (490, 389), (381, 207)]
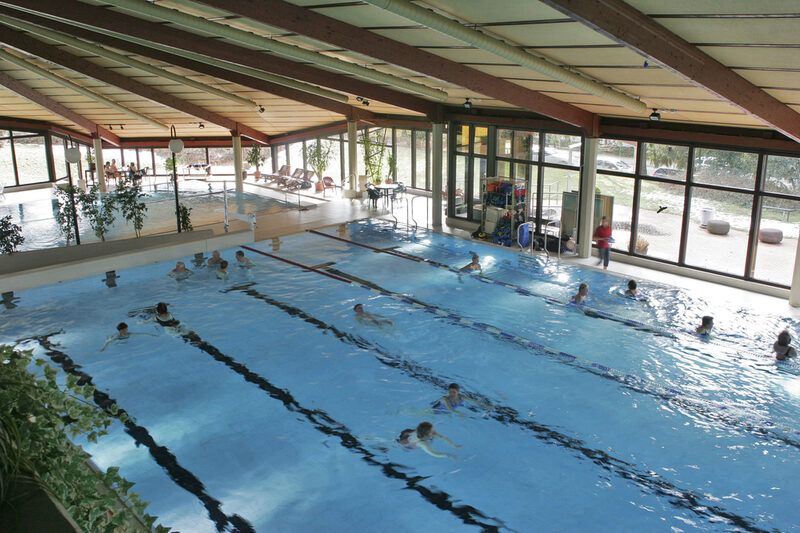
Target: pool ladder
[(546, 234)]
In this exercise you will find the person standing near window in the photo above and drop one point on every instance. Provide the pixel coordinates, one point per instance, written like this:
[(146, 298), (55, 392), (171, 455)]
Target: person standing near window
[(602, 235)]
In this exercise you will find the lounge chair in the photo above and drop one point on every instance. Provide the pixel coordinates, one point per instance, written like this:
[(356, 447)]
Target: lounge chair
[(282, 173), (328, 183)]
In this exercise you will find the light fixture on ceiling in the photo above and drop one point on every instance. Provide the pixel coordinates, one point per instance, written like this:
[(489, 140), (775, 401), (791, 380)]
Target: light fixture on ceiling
[(655, 116), (261, 109), (122, 126), (467, 104), (201, 125), (110, 127), (362, 100)]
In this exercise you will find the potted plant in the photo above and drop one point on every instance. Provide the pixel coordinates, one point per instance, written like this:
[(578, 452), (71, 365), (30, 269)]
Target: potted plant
[(133, 209), (374, 150), (66, 212), (98, 209), (255, 158), (642, 245), (10, 235), (90, 159), (318, 156)]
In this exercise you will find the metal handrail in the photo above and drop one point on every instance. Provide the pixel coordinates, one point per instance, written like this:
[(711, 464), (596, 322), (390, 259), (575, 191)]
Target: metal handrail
[(412, 211), (546, 227), (519, 228)]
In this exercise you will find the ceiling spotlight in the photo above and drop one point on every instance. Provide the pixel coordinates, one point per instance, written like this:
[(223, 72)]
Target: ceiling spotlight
[(655, 116), (467, 104), (201, 125), (261, 109), (122, 126), (362, 100), (110, 127)]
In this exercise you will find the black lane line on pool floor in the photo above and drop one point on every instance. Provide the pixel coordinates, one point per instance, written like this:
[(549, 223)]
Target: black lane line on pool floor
[(165, 459), (697, 407), (685, 499), (327, 425), (590, 312)]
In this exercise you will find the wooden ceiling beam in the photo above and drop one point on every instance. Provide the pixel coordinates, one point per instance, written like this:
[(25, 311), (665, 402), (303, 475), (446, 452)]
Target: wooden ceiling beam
[(123, 24), (349, 37), (244, 80), (60, 57), (627, 25), (57, 108)]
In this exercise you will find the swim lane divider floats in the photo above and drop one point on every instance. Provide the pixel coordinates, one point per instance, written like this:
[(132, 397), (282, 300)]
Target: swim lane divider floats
[(716, 410), (680, 498), (323, 422), (161, 454), (590, 311)]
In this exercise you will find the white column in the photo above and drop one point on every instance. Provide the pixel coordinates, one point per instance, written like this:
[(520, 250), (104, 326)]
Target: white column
[(99, 163), (352, 158), (588, 183), (436, 175), (794, 293), (237, 161)]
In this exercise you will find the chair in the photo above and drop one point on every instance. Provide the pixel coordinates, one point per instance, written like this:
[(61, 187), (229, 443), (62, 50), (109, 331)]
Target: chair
[(373, 194), (398, 193), (283, 172), (328, 183)]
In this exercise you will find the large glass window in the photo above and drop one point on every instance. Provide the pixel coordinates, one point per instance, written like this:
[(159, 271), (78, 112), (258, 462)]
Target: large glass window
[(666, 161), (129, 156), (459, 207), (777, 240), (162, 155), (31, 155), (296, 155), (421, 177), (58, 147), (404, 148), (782, 175), (8, 177), (562, 149), (615, 194), (560, 189), (617, 156), (221, 160), (724, 167), (660, 218), (719, 228), (280, 155)]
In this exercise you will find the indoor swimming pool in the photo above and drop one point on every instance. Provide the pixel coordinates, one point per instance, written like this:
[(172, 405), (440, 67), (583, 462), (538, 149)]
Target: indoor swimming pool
[(35, 212), (273, 409)]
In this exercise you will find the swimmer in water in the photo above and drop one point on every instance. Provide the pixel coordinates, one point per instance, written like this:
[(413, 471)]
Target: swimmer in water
[(583, 291), (371, 319), (242, 261), (453, 399), (121, 334), (706, 326), (222, 273), (422, 437), (180, 271), (215, 260), (473, 265), (164, 317), (781, 347), (632, 289)]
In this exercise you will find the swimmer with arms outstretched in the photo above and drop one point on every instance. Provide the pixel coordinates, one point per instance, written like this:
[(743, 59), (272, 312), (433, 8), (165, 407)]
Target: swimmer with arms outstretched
[(453, 399), (121, 334), (422, 437), (371, 319), (781, 347), (180, 271)]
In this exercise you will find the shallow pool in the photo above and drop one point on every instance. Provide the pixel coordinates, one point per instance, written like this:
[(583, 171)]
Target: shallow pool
[(281, 411), (35, 212)]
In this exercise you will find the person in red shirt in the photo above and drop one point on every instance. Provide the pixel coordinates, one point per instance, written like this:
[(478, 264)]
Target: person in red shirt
[(602, 235)]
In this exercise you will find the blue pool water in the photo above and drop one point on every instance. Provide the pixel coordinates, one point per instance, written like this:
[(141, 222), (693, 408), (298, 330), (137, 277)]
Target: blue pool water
[(280, 411), (35, 214)]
